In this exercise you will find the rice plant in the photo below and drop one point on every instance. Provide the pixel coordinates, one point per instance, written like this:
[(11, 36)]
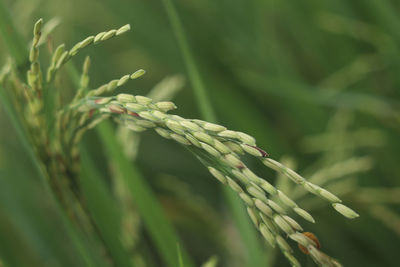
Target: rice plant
[(55, 126)]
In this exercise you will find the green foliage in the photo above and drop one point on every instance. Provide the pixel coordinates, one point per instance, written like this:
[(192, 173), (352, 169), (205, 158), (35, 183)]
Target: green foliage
[(314, 82)]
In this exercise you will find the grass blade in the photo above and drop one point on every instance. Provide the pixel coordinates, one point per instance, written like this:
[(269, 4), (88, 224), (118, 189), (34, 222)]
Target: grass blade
[(180, 258), (204, 104), (247, 232), (104, 210), (158, 226), (76, 237)]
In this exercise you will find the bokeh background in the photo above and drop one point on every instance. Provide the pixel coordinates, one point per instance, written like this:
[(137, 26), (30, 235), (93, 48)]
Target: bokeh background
[(315, 82)]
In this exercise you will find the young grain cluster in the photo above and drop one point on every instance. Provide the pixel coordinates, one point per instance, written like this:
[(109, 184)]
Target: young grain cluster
[(218, 148)]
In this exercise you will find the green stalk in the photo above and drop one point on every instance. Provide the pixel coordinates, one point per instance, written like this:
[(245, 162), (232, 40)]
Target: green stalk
[(76, 238), (206, 109), (155, 221), (255, 252), (103, 208)]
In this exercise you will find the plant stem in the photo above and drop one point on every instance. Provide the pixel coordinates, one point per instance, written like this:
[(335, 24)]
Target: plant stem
[(206, 109), (248, 234), (10, 111), (155, 221)]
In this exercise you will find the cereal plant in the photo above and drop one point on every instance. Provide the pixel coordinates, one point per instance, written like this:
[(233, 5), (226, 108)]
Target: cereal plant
[(99, 167), (55, 139)]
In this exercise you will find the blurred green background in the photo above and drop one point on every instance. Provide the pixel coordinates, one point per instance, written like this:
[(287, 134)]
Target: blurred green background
[(315, 82)]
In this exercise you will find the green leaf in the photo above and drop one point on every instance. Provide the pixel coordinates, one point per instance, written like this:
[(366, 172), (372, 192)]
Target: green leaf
[(104, 209), (248, 233), (76, 236), (180, 258), (155, 221)]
